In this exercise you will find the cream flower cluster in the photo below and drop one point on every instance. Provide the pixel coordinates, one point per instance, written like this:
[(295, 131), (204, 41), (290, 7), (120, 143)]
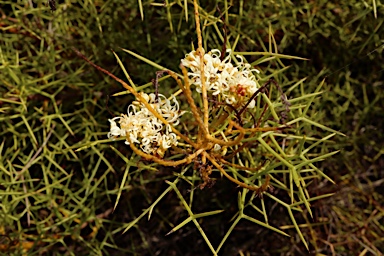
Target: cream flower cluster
[(144, 128), (235, 84)]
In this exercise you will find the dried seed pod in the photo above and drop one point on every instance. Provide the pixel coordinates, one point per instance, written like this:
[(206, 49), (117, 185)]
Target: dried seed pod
[(52, 5)]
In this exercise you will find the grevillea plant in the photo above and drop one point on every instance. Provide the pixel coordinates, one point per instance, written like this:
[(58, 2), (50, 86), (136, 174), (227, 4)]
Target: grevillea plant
[(227, 118), (221, 119)]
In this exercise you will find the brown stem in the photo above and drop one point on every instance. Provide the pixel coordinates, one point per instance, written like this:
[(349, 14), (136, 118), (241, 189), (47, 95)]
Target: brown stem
[(241, 184), (202, 75), (149, 157)]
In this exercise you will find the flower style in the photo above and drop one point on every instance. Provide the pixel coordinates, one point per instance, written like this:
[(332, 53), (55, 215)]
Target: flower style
[(144, 128), (235, 84)]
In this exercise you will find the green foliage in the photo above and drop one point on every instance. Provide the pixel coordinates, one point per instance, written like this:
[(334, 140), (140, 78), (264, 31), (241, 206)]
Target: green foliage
[(57, 200)]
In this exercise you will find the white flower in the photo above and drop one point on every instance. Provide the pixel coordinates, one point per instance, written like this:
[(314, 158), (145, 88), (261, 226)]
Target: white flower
[(144, 128), (115, 131), (234, 84)]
